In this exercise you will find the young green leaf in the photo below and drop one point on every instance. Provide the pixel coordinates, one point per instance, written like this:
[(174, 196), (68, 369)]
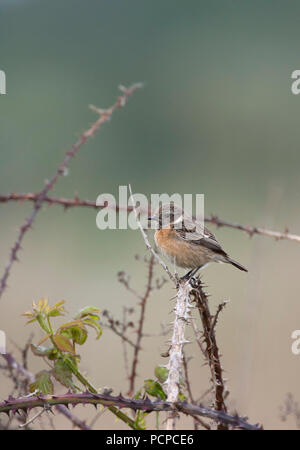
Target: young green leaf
[(161, 373), (63, 374), (57, 310), (140, 419), (90, 311), (94, 324), (63, 344), (74, 330), (42, 383), (153, 388), (181, 396)]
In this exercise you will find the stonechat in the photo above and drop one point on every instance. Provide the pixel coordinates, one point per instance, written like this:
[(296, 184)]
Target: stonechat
[(186, 242)]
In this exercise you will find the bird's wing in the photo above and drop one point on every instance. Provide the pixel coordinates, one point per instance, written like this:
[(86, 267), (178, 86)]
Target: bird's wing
[(207, 240)]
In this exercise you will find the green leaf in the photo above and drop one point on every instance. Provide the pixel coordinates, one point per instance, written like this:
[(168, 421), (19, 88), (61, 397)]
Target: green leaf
[(55, 313), (43, 323), (161, 373), (76, 334), (57, 310), (88, 311), (74, 330), (138, 395), (153, 388), (30, 321), (42, 383), (63, 344), (181, 397), (140, 419), (63, 373), (94, 324)]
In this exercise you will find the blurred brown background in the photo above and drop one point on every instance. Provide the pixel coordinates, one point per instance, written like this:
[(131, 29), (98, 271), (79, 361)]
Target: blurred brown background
[(216, 116)]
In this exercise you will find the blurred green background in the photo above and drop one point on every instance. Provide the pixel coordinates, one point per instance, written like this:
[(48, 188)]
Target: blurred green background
[(216, 116)]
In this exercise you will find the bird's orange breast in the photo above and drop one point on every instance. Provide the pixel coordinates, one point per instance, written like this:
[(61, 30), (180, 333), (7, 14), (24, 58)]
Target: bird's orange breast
[(184, 253), (164, 238), (176, 249)]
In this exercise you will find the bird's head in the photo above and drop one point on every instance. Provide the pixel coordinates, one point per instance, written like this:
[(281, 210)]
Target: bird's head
[(167, 215)]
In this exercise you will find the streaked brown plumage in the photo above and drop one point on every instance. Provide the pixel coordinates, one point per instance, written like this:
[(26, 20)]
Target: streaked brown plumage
[(182, 239)]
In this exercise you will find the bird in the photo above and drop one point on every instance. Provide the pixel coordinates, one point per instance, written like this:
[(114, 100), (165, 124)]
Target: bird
[(185, 241)]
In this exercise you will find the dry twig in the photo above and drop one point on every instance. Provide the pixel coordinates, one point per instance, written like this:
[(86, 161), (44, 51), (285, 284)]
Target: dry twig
[(137, 348)]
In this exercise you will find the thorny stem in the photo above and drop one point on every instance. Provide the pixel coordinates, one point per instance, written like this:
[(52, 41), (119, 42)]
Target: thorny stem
[(182, 317), (213, 219), (108, 401), (211, 350)]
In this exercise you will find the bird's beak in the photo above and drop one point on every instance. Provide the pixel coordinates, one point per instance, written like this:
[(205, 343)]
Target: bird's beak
[(151, 222)]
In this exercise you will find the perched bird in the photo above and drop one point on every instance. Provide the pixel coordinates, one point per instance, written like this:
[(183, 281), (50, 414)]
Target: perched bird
[(185, 241)]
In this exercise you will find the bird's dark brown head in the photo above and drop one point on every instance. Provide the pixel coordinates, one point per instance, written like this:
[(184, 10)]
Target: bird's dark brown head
[(166, 215)]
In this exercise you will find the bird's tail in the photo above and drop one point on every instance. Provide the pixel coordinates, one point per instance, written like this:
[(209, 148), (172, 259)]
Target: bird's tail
[(236, 264)]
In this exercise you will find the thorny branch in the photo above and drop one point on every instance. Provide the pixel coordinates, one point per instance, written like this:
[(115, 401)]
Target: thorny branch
[(27, 403), (104, 116), (182, 317), (213, 219), (211, 347), (12, 364)]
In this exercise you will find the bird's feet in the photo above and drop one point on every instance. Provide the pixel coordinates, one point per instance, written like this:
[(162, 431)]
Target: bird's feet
[(193, 281), (187, 276)]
